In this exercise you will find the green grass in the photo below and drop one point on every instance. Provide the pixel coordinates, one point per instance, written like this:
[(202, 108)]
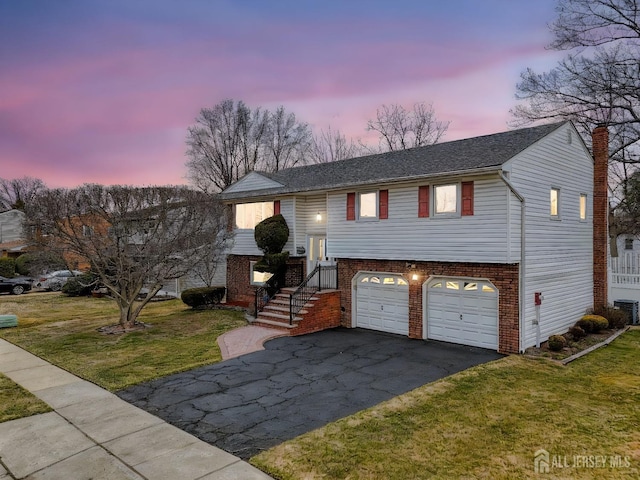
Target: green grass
[(485, 422), (63, 330), (16, 402)]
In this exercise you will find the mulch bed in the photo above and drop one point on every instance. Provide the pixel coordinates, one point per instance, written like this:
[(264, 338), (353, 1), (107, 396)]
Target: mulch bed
[(572, 347)]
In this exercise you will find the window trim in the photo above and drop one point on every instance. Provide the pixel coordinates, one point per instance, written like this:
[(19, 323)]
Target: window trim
[(359, 216), (434, 203), (252, 264), (586, 207), (555, 216), (235, 214)]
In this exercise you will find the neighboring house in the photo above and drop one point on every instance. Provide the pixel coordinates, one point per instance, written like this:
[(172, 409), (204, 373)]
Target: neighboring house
[(12, 242), (428, 241), (625, 270)]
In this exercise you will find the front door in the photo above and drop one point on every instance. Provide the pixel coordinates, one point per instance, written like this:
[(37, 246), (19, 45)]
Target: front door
[(316, 251)]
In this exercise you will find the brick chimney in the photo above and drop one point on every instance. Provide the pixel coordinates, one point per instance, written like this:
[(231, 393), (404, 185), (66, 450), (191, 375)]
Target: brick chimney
[(600, 144)]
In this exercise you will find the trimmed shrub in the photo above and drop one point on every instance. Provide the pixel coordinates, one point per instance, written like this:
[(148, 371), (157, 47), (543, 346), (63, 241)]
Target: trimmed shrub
[(203, 297), (577, 332), (557, 343), (23, 264), (271, 234), (585, 324), (80, 286), (7, 267), (595, 323), (617, 318)]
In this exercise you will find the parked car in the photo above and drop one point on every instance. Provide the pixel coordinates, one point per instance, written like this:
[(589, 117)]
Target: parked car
[(16, 285), (55, 280)]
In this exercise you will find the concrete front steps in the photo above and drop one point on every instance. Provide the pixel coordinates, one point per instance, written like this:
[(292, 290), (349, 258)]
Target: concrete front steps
[(322, 311)]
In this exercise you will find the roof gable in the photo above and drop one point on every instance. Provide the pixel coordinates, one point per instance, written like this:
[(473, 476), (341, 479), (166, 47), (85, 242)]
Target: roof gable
[(478, 154), (252, 181)]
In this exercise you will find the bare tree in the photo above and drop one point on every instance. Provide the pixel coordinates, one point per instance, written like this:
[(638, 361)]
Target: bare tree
[(230, 140), (131, 237), (400, 129), (597, 82), (18, 192), (225, 143), (330, 146), (287, 141)]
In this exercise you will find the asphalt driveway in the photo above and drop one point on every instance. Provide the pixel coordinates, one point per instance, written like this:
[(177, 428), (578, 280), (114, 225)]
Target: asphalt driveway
[(250, 403)]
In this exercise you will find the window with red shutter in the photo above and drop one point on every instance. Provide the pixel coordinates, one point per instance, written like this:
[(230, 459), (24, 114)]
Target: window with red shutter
[(351, 206), (276, 207), (423, 201), (467, 198), (383, 204)]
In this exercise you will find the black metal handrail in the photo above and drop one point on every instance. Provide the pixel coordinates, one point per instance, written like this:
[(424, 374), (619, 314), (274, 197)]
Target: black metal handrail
[(320, 277), (263, 294)]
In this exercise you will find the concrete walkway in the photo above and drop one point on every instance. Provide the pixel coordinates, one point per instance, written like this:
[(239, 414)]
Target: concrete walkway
[(93, 434), (243, 340)]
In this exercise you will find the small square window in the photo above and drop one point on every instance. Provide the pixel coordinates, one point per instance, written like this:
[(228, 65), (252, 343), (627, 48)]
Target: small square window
[(368, 205), (554, 203), (259, 278), (628, 243), (583, 206), (446, 199)]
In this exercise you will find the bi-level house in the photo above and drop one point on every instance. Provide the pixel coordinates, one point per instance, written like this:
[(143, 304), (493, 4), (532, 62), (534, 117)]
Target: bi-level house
[(455, 242)]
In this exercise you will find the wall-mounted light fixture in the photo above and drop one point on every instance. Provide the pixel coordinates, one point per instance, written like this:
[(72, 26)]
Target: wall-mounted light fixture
[(414, 277), (318, 217)]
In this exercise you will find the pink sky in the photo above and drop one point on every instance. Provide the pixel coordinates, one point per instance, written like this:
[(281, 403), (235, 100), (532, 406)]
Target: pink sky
[(103, 92)]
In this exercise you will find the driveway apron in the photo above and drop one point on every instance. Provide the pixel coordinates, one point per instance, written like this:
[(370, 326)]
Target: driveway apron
[(248, 404)]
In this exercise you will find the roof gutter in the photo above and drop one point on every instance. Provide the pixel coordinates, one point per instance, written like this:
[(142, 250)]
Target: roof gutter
[(279, 191), (521, 270)]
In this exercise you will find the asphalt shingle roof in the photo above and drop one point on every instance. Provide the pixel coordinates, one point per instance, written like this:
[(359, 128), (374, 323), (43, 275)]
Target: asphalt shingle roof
[(460, 156)]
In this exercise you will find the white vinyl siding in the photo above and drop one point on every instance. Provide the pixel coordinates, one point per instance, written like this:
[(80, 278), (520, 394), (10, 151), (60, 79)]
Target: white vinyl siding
[(252, 181), (479, 238), (559, 253)]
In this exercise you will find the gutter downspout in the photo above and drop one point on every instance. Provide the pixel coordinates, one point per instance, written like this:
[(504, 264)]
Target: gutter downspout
[(521, 279)]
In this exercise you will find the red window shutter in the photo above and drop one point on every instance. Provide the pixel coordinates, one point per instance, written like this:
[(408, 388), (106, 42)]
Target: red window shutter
[(423, 201), (467, 198), (383, 204), (351, 206), (276, 207)]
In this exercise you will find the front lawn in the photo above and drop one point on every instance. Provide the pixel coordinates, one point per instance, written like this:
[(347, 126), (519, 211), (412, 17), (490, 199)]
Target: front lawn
[(63, 330), (488, 422), (16, 402)]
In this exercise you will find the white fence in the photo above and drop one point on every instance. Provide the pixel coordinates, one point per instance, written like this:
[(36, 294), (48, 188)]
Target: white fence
[(624, 277)]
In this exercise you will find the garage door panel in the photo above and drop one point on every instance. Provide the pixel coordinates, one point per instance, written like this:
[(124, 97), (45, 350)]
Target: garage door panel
[(463, 311), (382, 305)]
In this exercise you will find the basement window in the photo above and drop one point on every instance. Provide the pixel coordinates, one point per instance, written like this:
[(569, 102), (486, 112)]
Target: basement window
[(259, 278)]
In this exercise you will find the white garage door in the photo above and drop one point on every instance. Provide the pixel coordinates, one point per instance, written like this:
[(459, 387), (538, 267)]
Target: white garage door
[(382, 302), (463, 311)]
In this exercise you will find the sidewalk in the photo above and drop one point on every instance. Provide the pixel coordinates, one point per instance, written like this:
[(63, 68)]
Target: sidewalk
[(92, 434)]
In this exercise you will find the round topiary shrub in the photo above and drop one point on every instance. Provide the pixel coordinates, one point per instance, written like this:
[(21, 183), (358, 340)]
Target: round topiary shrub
[(557, 343), (203, 297), (577, 333), (271, 234), (595, 323)]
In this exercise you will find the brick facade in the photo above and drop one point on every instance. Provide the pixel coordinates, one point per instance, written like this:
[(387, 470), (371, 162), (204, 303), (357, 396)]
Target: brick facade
[(600, 143), (504, 277), (324, 314), (239, 288)]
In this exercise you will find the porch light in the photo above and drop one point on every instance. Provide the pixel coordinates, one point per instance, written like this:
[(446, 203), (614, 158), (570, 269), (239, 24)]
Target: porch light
[(318, 217), (414, 277)]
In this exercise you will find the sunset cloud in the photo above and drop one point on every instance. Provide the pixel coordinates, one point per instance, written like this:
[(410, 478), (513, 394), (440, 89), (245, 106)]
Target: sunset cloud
[(104, 92)]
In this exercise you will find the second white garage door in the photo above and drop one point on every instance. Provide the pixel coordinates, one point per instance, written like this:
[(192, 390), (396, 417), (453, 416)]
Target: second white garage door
[(463, 311), (382, 302)]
